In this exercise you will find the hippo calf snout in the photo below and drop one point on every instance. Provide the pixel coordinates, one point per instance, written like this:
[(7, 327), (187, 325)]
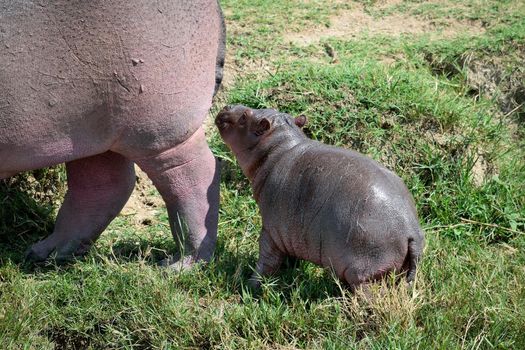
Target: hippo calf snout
[(232, 115), (222, 119)]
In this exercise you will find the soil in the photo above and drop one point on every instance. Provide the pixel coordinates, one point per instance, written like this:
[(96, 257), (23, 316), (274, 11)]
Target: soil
[(488, 77), (144, 202), (357, 22)]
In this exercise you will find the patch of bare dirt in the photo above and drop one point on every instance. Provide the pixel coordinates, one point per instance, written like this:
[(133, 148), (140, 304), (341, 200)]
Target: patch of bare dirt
[(501, 78), (348, 24), (488, 77), (480, 169), (144, 202)]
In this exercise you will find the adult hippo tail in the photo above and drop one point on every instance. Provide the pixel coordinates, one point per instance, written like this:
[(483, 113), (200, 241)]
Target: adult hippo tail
[(99, 85)]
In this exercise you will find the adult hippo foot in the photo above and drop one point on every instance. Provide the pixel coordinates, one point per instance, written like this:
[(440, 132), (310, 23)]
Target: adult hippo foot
[(176, 264), (46, 250)]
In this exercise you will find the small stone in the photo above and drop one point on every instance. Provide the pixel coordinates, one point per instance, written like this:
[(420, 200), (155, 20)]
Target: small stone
[(141, 60), (141, 89), (135, 61), (52, 102)]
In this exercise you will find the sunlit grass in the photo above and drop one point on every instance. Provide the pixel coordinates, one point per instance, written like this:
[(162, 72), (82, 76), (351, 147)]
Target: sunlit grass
[(406, 101)]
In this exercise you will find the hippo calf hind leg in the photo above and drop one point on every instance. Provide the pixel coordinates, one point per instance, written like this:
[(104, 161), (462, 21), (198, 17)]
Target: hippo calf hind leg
[(401, 259), (98, 188), (415, 249), (187, 177)]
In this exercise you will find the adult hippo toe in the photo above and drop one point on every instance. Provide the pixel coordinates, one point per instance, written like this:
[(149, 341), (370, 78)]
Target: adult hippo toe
[(100, 85)]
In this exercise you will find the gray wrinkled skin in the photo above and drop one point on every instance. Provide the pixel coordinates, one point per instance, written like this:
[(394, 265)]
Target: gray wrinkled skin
[(334, 207)]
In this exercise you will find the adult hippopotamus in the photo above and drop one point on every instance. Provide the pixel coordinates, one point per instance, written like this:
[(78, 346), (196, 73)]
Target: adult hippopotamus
[(334, 207), (100, 85)]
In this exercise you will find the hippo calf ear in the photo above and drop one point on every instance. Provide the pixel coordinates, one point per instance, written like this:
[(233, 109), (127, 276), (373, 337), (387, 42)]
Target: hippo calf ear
[(262, 126), (301, 120)]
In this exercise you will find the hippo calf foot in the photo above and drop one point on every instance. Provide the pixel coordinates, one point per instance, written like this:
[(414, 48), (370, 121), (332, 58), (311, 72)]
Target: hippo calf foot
[(254, 283)]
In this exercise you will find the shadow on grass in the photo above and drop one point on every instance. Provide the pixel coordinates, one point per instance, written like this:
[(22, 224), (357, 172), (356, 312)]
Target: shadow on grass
[(231, 270), (23, 219), (27, 216)]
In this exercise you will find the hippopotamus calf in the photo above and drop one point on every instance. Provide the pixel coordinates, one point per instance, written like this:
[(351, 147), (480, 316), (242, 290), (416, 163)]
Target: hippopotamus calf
[(100, 85), (334, 207)]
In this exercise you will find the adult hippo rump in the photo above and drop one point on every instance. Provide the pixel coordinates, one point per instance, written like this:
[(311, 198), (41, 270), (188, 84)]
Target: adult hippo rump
[(100, 85), (329, 205)]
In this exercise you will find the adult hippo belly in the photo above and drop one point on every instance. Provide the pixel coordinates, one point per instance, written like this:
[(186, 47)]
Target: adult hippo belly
[(100, 85)]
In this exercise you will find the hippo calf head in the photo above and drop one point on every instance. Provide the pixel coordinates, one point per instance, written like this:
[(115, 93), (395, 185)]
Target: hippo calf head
[(243, 128)]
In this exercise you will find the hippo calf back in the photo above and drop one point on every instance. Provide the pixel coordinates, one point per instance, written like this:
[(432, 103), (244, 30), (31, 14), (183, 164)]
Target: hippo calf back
[(100, 85), (329, 205)]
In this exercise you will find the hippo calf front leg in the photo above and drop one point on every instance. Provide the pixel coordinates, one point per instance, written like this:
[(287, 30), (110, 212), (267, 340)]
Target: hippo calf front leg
[(270, 260), (187, 177)]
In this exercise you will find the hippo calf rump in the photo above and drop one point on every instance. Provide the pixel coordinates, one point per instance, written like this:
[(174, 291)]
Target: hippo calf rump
[(334, 207)]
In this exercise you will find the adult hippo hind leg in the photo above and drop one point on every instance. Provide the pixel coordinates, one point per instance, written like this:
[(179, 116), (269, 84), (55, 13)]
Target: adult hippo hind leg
[(98, 188), (180, 74), (187, 177)]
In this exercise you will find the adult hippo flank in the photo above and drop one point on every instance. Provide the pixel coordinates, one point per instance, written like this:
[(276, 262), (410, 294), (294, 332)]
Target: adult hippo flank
[(331, 206), (100, 85)]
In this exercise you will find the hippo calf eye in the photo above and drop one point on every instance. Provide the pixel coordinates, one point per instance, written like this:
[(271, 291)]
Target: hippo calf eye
[(242, 120)]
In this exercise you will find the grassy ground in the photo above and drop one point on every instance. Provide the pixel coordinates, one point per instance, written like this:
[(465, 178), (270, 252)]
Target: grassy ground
[(433, 89)]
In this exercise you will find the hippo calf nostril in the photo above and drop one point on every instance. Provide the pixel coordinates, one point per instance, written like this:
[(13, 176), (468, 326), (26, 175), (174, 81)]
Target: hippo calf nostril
[(227, 108), (221, 120)]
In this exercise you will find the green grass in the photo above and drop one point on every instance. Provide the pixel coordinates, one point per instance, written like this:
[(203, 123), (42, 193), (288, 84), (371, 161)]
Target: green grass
[(408, 101)]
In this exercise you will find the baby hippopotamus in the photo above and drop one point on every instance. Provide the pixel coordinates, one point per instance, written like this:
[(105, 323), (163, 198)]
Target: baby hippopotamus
[(332, 206)]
